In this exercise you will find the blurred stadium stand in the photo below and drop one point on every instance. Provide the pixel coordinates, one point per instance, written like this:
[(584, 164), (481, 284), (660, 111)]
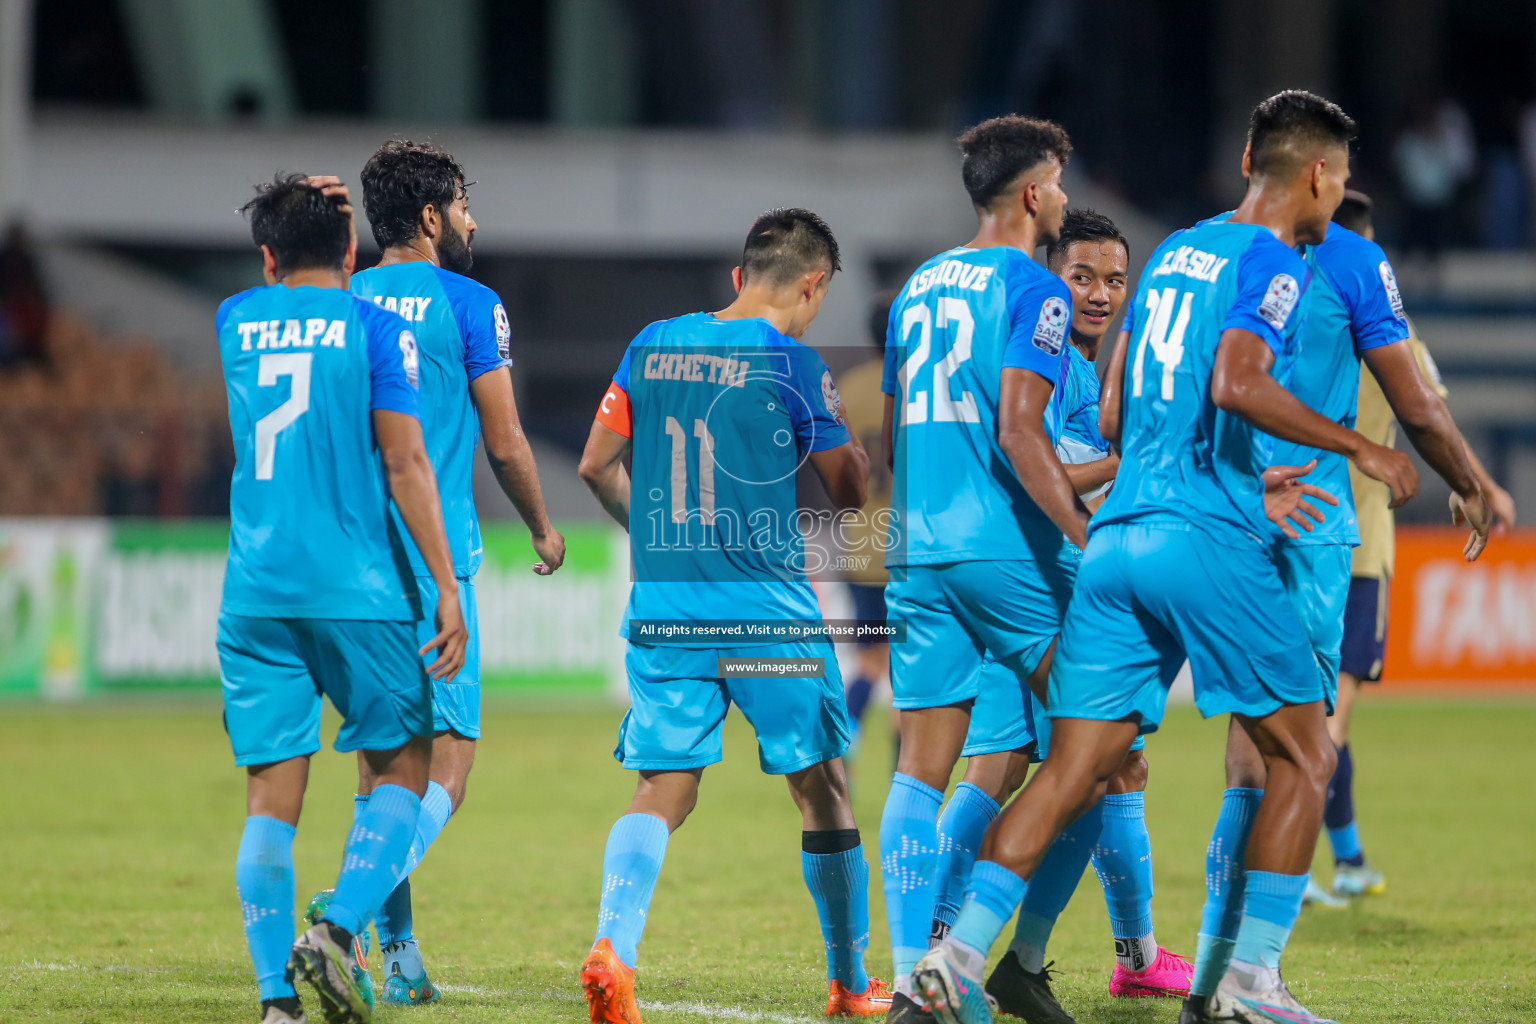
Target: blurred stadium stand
[(621, 146)]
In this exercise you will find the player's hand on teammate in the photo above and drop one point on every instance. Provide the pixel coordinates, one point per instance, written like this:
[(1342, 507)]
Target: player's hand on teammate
[(452, 638), (1477, 513), (550, 547), (1503, 507), (329, 186), (1392, 468), (1285, 498)]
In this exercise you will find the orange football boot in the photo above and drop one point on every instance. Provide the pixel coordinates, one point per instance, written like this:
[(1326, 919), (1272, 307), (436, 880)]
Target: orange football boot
[(874, 1001), (610, 986)]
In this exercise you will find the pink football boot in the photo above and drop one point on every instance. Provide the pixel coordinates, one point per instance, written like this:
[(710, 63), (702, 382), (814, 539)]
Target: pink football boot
[(1169, 975)]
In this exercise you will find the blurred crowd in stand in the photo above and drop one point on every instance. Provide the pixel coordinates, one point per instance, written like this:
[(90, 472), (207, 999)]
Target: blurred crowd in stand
[(94, 425)]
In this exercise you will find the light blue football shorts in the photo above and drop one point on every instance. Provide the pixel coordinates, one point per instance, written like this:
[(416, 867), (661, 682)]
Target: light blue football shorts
[(1151, 594), (678, 706), (455, 705), (959, 612), (274, 671), (1316, 576)]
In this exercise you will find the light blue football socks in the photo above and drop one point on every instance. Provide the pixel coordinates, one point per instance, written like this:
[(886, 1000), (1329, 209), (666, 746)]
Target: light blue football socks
[(962, 825), (637, 844), (1271, 904), (264, 879), (1225, 883), (909, 858), (1051, 887), (838, 877), (376, 852), (1123, 861), (990, 897)]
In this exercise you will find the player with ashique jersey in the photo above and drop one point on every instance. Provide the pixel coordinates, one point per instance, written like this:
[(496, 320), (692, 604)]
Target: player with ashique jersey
[(1178, 565), (983, 517), (719, 411), (418, 206), (324, 412)]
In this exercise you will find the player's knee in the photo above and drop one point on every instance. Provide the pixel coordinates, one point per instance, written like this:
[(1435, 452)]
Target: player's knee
[(1131, 776)]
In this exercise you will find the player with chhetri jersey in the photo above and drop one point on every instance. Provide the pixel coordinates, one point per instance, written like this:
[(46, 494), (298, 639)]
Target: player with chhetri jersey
[(719, 411), (416, 199), (1178, 564), (983, 517), (324, 411)]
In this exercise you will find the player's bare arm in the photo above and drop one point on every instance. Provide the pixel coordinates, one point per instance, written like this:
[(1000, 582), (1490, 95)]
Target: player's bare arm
[(602, 470), (1499, 500), (1241, 383), (413, 486), (1434, 434), (511, 459), (1109, 391), (1088, 477), (1021, 433), (844, 472)]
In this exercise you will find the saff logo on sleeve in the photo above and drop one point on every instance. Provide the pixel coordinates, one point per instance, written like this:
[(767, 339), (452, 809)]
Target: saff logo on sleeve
[(503, 331), (1051, 328), (831, 397), (1280, 300), (1394, 296), (408, 357)]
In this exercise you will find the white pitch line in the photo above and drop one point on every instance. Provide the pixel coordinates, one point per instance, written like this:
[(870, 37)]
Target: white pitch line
[(713, 1011)]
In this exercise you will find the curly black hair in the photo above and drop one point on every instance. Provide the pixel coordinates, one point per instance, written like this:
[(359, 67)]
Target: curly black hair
[(304, 228), (998, 150), (402, 179)]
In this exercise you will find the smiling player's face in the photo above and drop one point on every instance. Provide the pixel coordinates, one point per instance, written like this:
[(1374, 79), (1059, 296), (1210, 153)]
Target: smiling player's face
[(1097, 274)]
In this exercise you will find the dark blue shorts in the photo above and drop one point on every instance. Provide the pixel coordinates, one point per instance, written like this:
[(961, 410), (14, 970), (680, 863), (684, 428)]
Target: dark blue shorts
[(868, 606), (1365, 628)]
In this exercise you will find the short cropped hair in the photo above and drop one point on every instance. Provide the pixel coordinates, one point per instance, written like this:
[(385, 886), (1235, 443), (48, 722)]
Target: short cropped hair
[(787, 242), (1083, 225), (304, 228), (1355, 211), (1289, 127), (402, 179), (997, 151)]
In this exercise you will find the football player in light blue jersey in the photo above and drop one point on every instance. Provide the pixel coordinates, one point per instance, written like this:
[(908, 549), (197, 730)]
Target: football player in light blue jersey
[(324, 412), (417, 204), (982, 510), (1178, 563), (1355, 314), (719, 411)]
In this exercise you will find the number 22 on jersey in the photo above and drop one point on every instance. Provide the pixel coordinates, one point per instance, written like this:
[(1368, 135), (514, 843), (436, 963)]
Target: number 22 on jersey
[(946, 407)]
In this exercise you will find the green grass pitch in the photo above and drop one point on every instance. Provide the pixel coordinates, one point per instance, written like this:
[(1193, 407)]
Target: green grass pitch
[(120, 824)]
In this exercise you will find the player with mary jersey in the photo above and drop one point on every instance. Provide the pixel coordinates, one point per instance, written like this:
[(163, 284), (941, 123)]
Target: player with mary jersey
[(324, 411), (417, 202), (1178, 564), (1355, 315), (983, 512), (719, 411)]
